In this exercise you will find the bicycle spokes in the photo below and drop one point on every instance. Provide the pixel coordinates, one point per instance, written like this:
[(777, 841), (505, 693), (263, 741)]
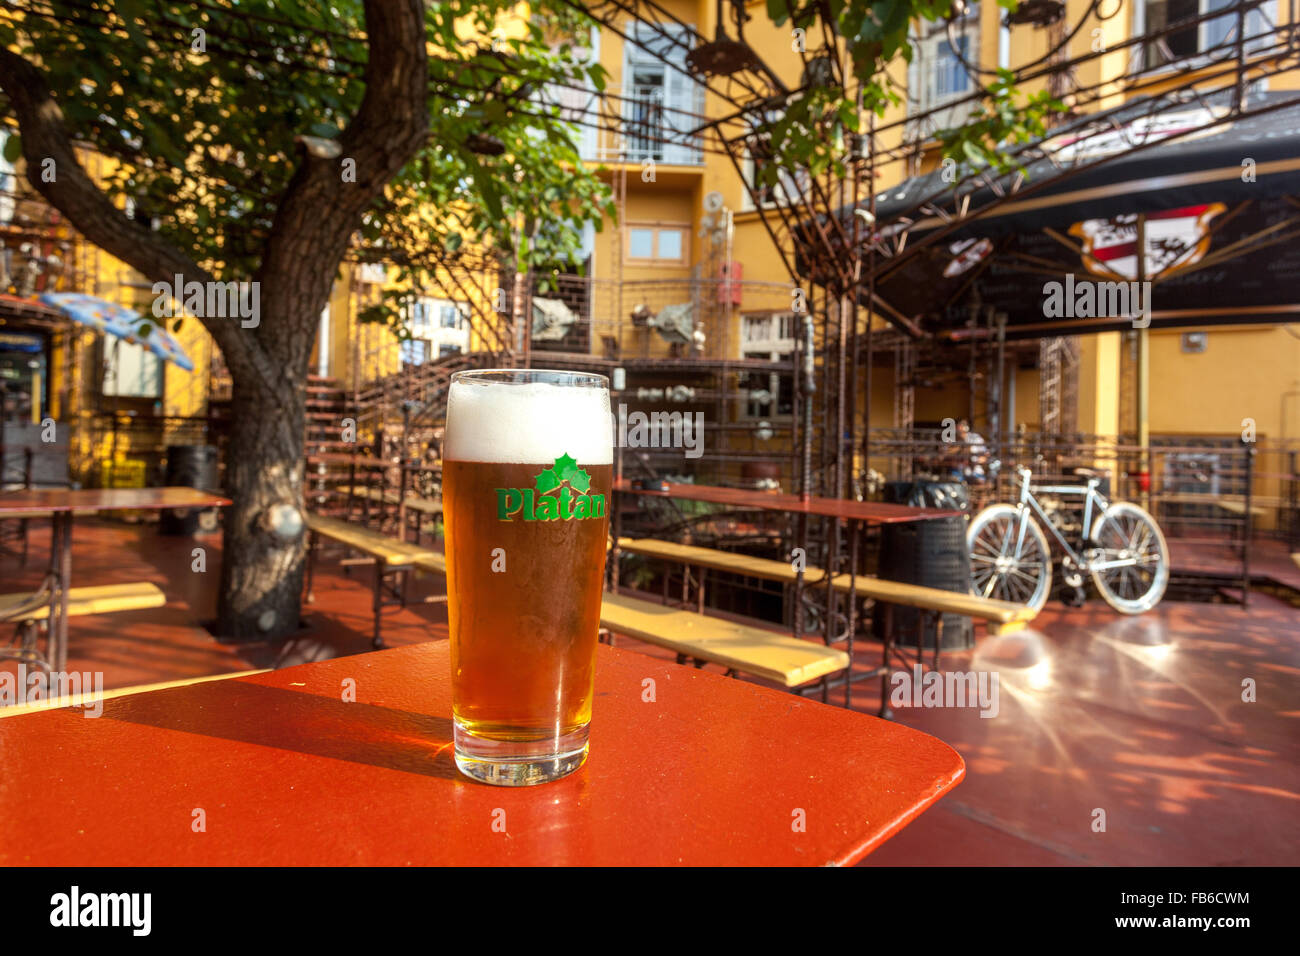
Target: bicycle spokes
[(1009, 557)]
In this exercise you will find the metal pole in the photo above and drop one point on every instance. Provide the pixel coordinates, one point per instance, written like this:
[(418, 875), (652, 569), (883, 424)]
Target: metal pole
[(1249, 449), (1143, 378)]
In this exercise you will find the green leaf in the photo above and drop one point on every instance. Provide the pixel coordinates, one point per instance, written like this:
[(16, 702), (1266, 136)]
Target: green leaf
[(13, 148), (546, 481)]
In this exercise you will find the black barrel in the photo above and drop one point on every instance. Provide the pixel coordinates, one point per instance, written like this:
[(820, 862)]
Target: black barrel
[(193, 466), (931, 553)]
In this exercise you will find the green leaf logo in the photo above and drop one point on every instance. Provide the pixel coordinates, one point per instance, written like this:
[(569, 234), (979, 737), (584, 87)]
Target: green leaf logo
[(564, 470)]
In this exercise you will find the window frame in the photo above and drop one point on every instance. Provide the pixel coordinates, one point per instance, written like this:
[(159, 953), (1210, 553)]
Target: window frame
[(1202, 57), (683, 228)]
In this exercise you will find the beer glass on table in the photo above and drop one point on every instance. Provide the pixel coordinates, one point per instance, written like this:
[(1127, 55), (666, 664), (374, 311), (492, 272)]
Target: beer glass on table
[(526, 483)]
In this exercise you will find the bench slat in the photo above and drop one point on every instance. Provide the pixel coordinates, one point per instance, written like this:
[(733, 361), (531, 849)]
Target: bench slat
[(426, 505), (895, 592), (773, 656), (98, 599), (391, 551), (714, 559), (935, 599), (435, 562)]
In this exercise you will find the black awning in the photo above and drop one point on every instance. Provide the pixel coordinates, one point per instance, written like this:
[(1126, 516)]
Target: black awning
[(1126, 161), (1222, 229)]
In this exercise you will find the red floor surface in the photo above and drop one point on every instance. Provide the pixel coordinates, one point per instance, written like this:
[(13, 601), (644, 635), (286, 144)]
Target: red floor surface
[(1140, 718)]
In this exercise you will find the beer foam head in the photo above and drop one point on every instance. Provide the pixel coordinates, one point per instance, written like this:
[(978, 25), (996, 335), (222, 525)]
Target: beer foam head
[(531, 423)]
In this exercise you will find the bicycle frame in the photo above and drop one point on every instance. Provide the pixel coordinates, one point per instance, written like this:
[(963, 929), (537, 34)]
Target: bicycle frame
[(1091, 497)]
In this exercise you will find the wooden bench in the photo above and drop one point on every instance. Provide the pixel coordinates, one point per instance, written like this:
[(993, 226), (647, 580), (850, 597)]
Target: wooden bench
[(98, 599), (389, 555), (737, 647), (84, 698), (1000, 617), (28, 609), (423, 507)]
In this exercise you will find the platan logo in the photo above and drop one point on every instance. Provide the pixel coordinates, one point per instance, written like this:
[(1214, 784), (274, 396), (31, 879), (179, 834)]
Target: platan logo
[(75, 908), (210, 300), (562, 493), (1098, 300)]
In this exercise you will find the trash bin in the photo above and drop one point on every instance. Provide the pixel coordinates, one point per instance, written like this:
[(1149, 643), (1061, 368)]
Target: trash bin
[(948, 495), (193, 466), (931, 553)]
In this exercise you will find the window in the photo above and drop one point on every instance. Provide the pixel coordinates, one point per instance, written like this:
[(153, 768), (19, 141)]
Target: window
[(437, 327), (665, 245), (790, 185), (1158, 16), (415, 351), (662, 100), (131, 371), (770, 338), (937, 75), (950, 77), (453, 315), (670, 244), (641, 243)]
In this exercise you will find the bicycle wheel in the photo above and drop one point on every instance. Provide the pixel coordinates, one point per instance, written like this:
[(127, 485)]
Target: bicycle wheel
[(1009, 557), (1125, 531)]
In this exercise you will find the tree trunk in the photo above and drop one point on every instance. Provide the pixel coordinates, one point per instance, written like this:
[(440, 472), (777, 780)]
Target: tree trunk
[(261, 572)]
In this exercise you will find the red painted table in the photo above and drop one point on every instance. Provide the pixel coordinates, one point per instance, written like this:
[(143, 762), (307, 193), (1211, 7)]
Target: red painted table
[(282, 770), (64, 503)]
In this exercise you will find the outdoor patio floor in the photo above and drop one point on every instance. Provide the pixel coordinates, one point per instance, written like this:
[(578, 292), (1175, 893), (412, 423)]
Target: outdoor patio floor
[(1140, 717)]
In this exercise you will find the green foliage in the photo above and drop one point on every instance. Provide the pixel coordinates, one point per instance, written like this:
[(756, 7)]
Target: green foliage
[(1002, 122), (205, 124), (814, 132)]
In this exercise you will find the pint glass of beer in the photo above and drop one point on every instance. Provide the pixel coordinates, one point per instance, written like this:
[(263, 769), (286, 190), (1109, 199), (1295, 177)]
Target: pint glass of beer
[(527, 478)]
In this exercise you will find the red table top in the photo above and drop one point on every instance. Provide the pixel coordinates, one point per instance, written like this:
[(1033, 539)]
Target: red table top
[(107, 499), (714, 771), (872, 512)]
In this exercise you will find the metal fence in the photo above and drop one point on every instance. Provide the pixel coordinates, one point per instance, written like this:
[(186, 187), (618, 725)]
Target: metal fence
[(1203, 489)]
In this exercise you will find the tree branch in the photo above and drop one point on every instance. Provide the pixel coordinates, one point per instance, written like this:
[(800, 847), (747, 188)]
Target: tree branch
[(320, 211), (88, 208)]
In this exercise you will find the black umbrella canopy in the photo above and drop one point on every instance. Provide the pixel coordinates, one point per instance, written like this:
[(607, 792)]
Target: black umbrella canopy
[(1213, 190)]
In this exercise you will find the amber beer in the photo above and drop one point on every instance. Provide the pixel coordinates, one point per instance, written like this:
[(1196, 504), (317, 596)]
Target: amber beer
[(527, 480)]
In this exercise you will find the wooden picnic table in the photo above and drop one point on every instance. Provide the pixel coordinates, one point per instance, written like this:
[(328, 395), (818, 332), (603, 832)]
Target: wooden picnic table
[(285, 771), (62, 504), (867, 512)]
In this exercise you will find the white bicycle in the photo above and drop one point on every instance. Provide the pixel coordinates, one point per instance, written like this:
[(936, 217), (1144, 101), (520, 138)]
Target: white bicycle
[(1125, 552)]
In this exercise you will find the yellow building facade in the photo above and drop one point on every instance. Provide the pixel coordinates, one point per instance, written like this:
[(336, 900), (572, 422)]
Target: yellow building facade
[(669, 245)]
